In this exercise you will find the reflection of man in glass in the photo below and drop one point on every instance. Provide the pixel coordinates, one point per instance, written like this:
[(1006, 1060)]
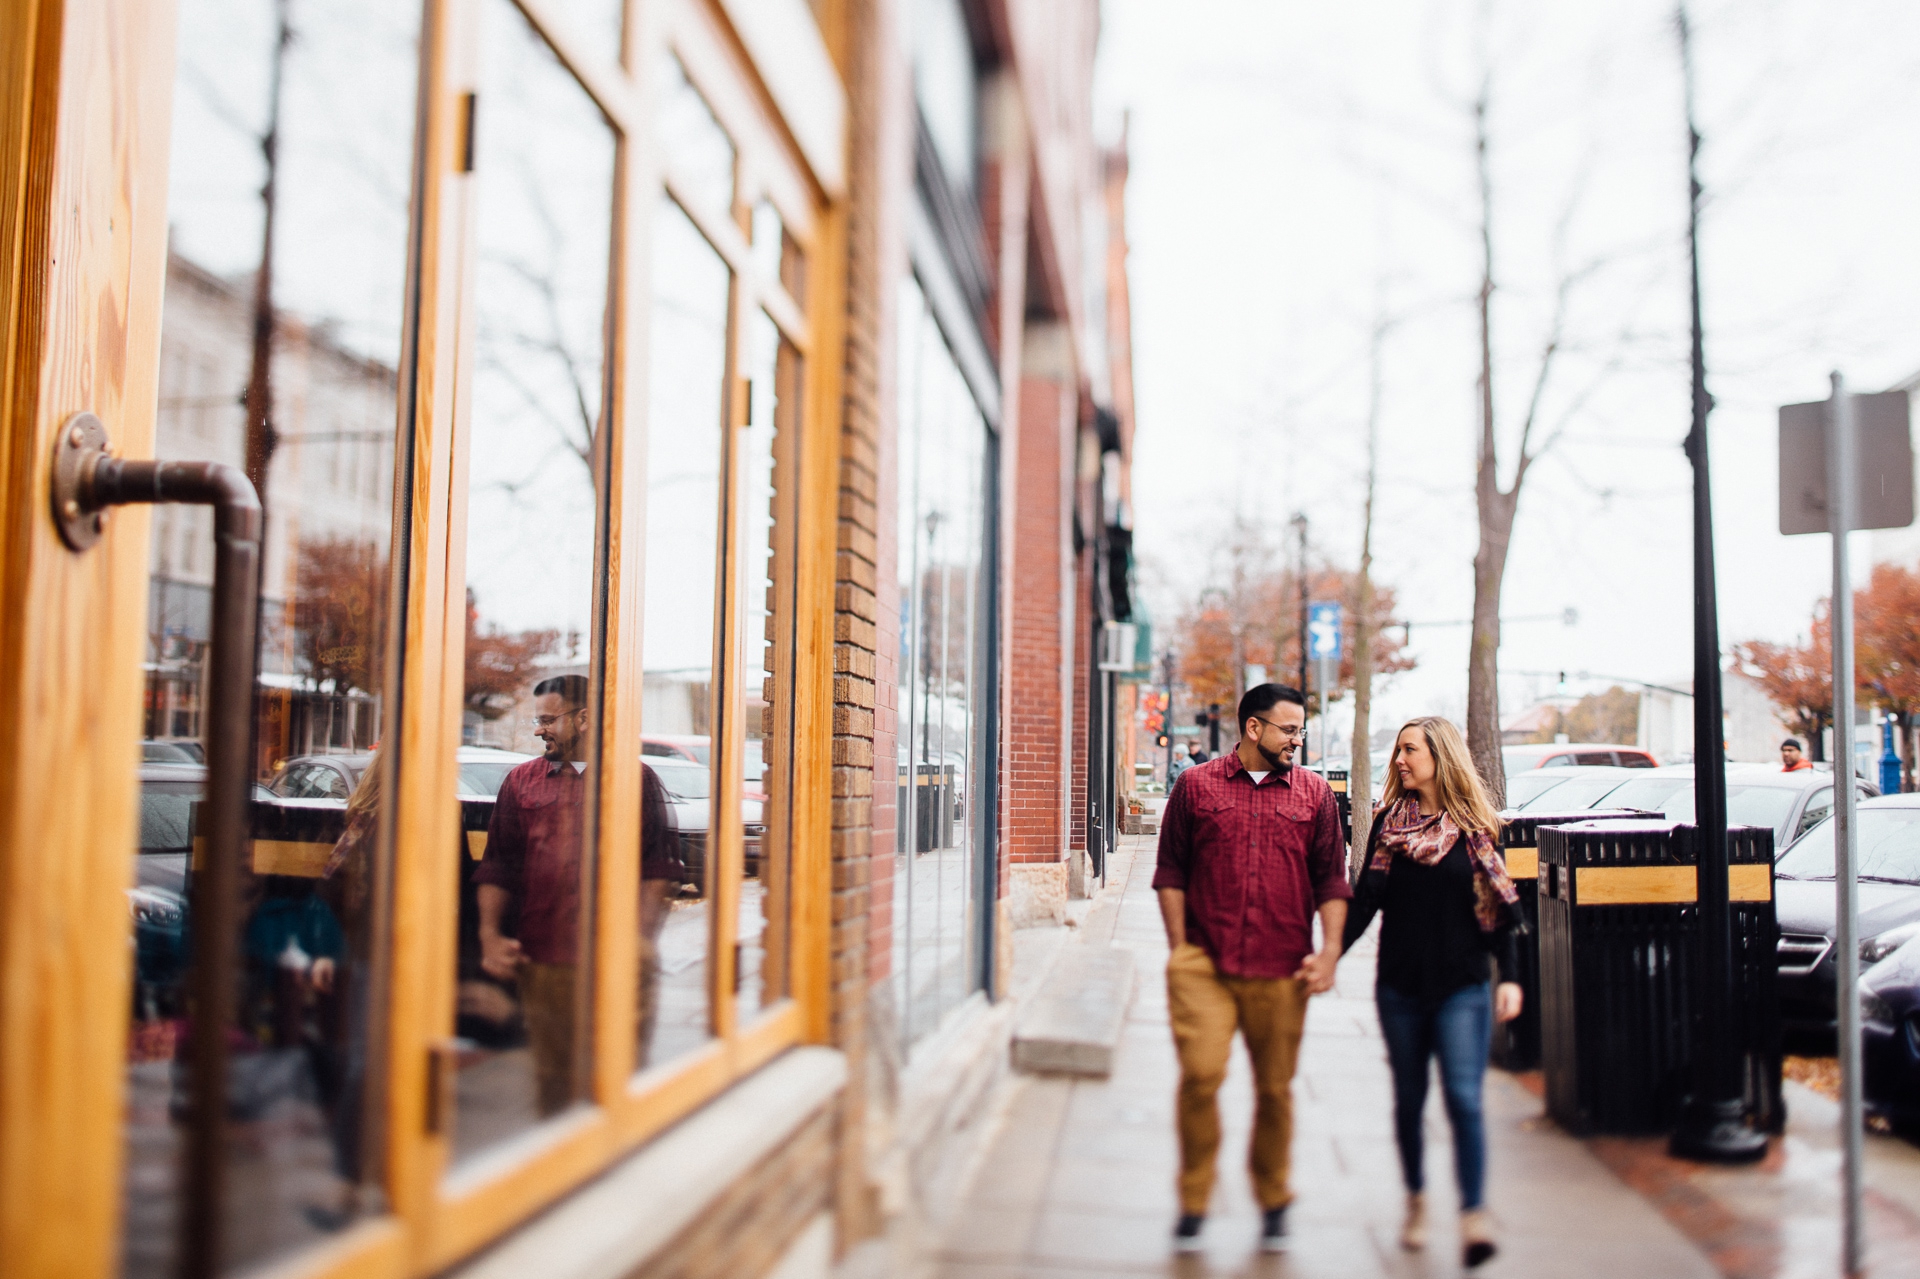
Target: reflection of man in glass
[(532, 866), (662, 868)]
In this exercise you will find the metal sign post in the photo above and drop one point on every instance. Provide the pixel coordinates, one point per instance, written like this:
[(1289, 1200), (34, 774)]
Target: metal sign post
[(1324, 623), (1840, 517), (1867, 440)]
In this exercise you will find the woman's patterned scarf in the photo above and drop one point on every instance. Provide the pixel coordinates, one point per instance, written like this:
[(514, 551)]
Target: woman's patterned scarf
[(1428, 839)]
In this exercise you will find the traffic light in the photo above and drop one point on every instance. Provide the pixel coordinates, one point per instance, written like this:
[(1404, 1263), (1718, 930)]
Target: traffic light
[(1161, 740)]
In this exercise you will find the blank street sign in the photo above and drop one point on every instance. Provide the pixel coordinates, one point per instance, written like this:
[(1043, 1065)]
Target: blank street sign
[(1882, 447)]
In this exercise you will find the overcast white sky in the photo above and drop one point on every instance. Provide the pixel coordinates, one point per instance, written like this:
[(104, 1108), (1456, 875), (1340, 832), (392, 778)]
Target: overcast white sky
[(1295, 162)]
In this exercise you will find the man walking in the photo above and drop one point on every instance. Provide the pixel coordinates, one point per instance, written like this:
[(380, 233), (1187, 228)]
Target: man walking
[(1250, 849)]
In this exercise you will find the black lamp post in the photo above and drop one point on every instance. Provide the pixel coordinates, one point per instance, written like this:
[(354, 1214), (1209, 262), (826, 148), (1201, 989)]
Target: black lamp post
[(1712, 1125)]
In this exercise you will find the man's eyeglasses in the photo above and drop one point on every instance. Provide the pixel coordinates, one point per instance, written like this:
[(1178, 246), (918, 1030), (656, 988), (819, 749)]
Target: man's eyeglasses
[(1295, 733), (545, 721)]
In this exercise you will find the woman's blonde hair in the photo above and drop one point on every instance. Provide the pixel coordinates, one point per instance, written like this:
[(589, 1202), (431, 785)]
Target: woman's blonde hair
[(1462, 795)]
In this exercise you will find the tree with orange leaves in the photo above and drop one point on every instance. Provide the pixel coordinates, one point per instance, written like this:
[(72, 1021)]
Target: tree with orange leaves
[(1266, 612), (1797, 678), (1887, 652)]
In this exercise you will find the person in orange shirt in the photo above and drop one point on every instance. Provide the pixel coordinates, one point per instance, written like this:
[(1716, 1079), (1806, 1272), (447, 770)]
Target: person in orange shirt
[(1791, 760)]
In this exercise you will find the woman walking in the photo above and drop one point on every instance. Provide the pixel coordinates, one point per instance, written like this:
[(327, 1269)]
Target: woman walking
[(1434, 873)]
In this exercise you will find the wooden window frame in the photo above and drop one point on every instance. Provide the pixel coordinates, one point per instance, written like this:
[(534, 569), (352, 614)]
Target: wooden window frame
[(57, 57)]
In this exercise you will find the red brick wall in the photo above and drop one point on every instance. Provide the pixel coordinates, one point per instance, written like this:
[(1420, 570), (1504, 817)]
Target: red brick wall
[(1082, 693), (1037, 605)]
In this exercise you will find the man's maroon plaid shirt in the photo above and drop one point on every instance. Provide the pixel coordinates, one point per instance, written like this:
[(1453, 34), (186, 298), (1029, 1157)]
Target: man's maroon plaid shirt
[(1255, 861)]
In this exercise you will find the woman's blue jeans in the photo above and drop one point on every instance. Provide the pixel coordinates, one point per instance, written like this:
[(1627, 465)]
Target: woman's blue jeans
[(1457, 1031)]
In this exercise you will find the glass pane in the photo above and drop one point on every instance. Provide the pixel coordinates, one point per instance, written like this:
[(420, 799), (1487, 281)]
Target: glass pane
[(941, 509), (768, 240), (544, 199), (299, 1161), (699, 152), (685, 437), (766, 595)]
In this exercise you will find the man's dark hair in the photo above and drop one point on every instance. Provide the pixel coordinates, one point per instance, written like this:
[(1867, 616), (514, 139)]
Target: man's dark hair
[(1793, 742), (1262, 698), (572, 689)]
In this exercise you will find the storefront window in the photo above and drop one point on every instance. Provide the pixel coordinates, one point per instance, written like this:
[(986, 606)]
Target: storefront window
[(942, 512), (529, 762), (766, 485), (310, 413), (686, 434)]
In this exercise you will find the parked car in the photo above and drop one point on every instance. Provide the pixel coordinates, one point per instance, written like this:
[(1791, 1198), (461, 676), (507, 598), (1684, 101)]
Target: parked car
[(1519, 759), (1890, 1030), (1563, 790), (1757, 795), (155, 751), (1887, 835)]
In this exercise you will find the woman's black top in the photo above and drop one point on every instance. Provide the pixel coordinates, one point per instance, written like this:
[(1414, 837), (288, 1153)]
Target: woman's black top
[(1431, 943)]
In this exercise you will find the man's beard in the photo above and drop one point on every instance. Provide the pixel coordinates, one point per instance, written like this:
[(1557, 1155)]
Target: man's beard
[(1279, 765)]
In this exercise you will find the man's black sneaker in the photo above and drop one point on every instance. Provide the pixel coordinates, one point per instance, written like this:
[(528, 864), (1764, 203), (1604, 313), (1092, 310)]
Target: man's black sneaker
[(1273, 1230), (1186, 1234)]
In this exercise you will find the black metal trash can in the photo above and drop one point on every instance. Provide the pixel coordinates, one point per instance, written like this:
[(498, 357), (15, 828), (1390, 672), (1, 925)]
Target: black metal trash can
[(1516, 1044), (933, 811), (1340, 781), (1619, 931)]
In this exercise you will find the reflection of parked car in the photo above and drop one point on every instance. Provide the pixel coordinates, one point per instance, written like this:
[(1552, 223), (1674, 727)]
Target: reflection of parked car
[(1757, 795), (482, 770), (698, 749), (153, 751), (1518, 759), (158, 898), (1887, 854), (1890, 1030), (689, 788)]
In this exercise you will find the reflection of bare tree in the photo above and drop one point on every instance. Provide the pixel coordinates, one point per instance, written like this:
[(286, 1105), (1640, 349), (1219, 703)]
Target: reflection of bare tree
[(260, 432), (499, 663), (538, 335), (337, 612)]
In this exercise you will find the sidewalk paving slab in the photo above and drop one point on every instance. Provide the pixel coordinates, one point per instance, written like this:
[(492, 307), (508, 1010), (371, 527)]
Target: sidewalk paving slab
[(1080, 1179)]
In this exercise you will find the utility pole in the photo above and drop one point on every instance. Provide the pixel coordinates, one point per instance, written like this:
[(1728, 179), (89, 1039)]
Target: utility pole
[(1712, 1125), (1166, 713), (1300, 533)]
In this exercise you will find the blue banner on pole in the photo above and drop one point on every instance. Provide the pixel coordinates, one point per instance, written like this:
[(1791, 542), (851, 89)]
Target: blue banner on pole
[(1324, 624)]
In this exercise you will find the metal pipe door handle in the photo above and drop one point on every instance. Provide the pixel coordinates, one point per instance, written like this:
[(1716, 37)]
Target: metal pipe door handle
[(87, 482)]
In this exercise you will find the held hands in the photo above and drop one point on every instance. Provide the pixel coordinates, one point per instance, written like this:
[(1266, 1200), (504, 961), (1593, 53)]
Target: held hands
[(500, 956), (1317, 971), (1506, 1001)]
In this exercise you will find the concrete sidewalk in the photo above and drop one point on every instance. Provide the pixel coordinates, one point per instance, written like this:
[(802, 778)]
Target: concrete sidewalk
[(1079, 1180)]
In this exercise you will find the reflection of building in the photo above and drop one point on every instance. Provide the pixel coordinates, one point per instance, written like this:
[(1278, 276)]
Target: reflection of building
[(329, 497)]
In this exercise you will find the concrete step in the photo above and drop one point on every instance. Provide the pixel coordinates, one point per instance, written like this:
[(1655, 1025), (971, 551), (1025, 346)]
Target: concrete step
[(1073, 1025)]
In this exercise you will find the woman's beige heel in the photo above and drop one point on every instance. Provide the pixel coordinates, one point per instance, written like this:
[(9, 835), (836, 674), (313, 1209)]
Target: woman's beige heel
[(1413, 1235), (1476, 1237)]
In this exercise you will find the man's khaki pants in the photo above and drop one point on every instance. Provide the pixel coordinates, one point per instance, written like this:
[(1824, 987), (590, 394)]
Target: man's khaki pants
[(1206, 1009), (546, 1002)]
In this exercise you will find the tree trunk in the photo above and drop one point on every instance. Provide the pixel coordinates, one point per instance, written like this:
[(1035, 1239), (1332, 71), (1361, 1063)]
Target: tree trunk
[(1495, 510), (1360, 761), (1483, 653)]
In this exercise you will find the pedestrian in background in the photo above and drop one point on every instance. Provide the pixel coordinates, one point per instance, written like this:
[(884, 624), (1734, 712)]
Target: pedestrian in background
[(1250, 849), (1791, 760), (1434, 873)]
